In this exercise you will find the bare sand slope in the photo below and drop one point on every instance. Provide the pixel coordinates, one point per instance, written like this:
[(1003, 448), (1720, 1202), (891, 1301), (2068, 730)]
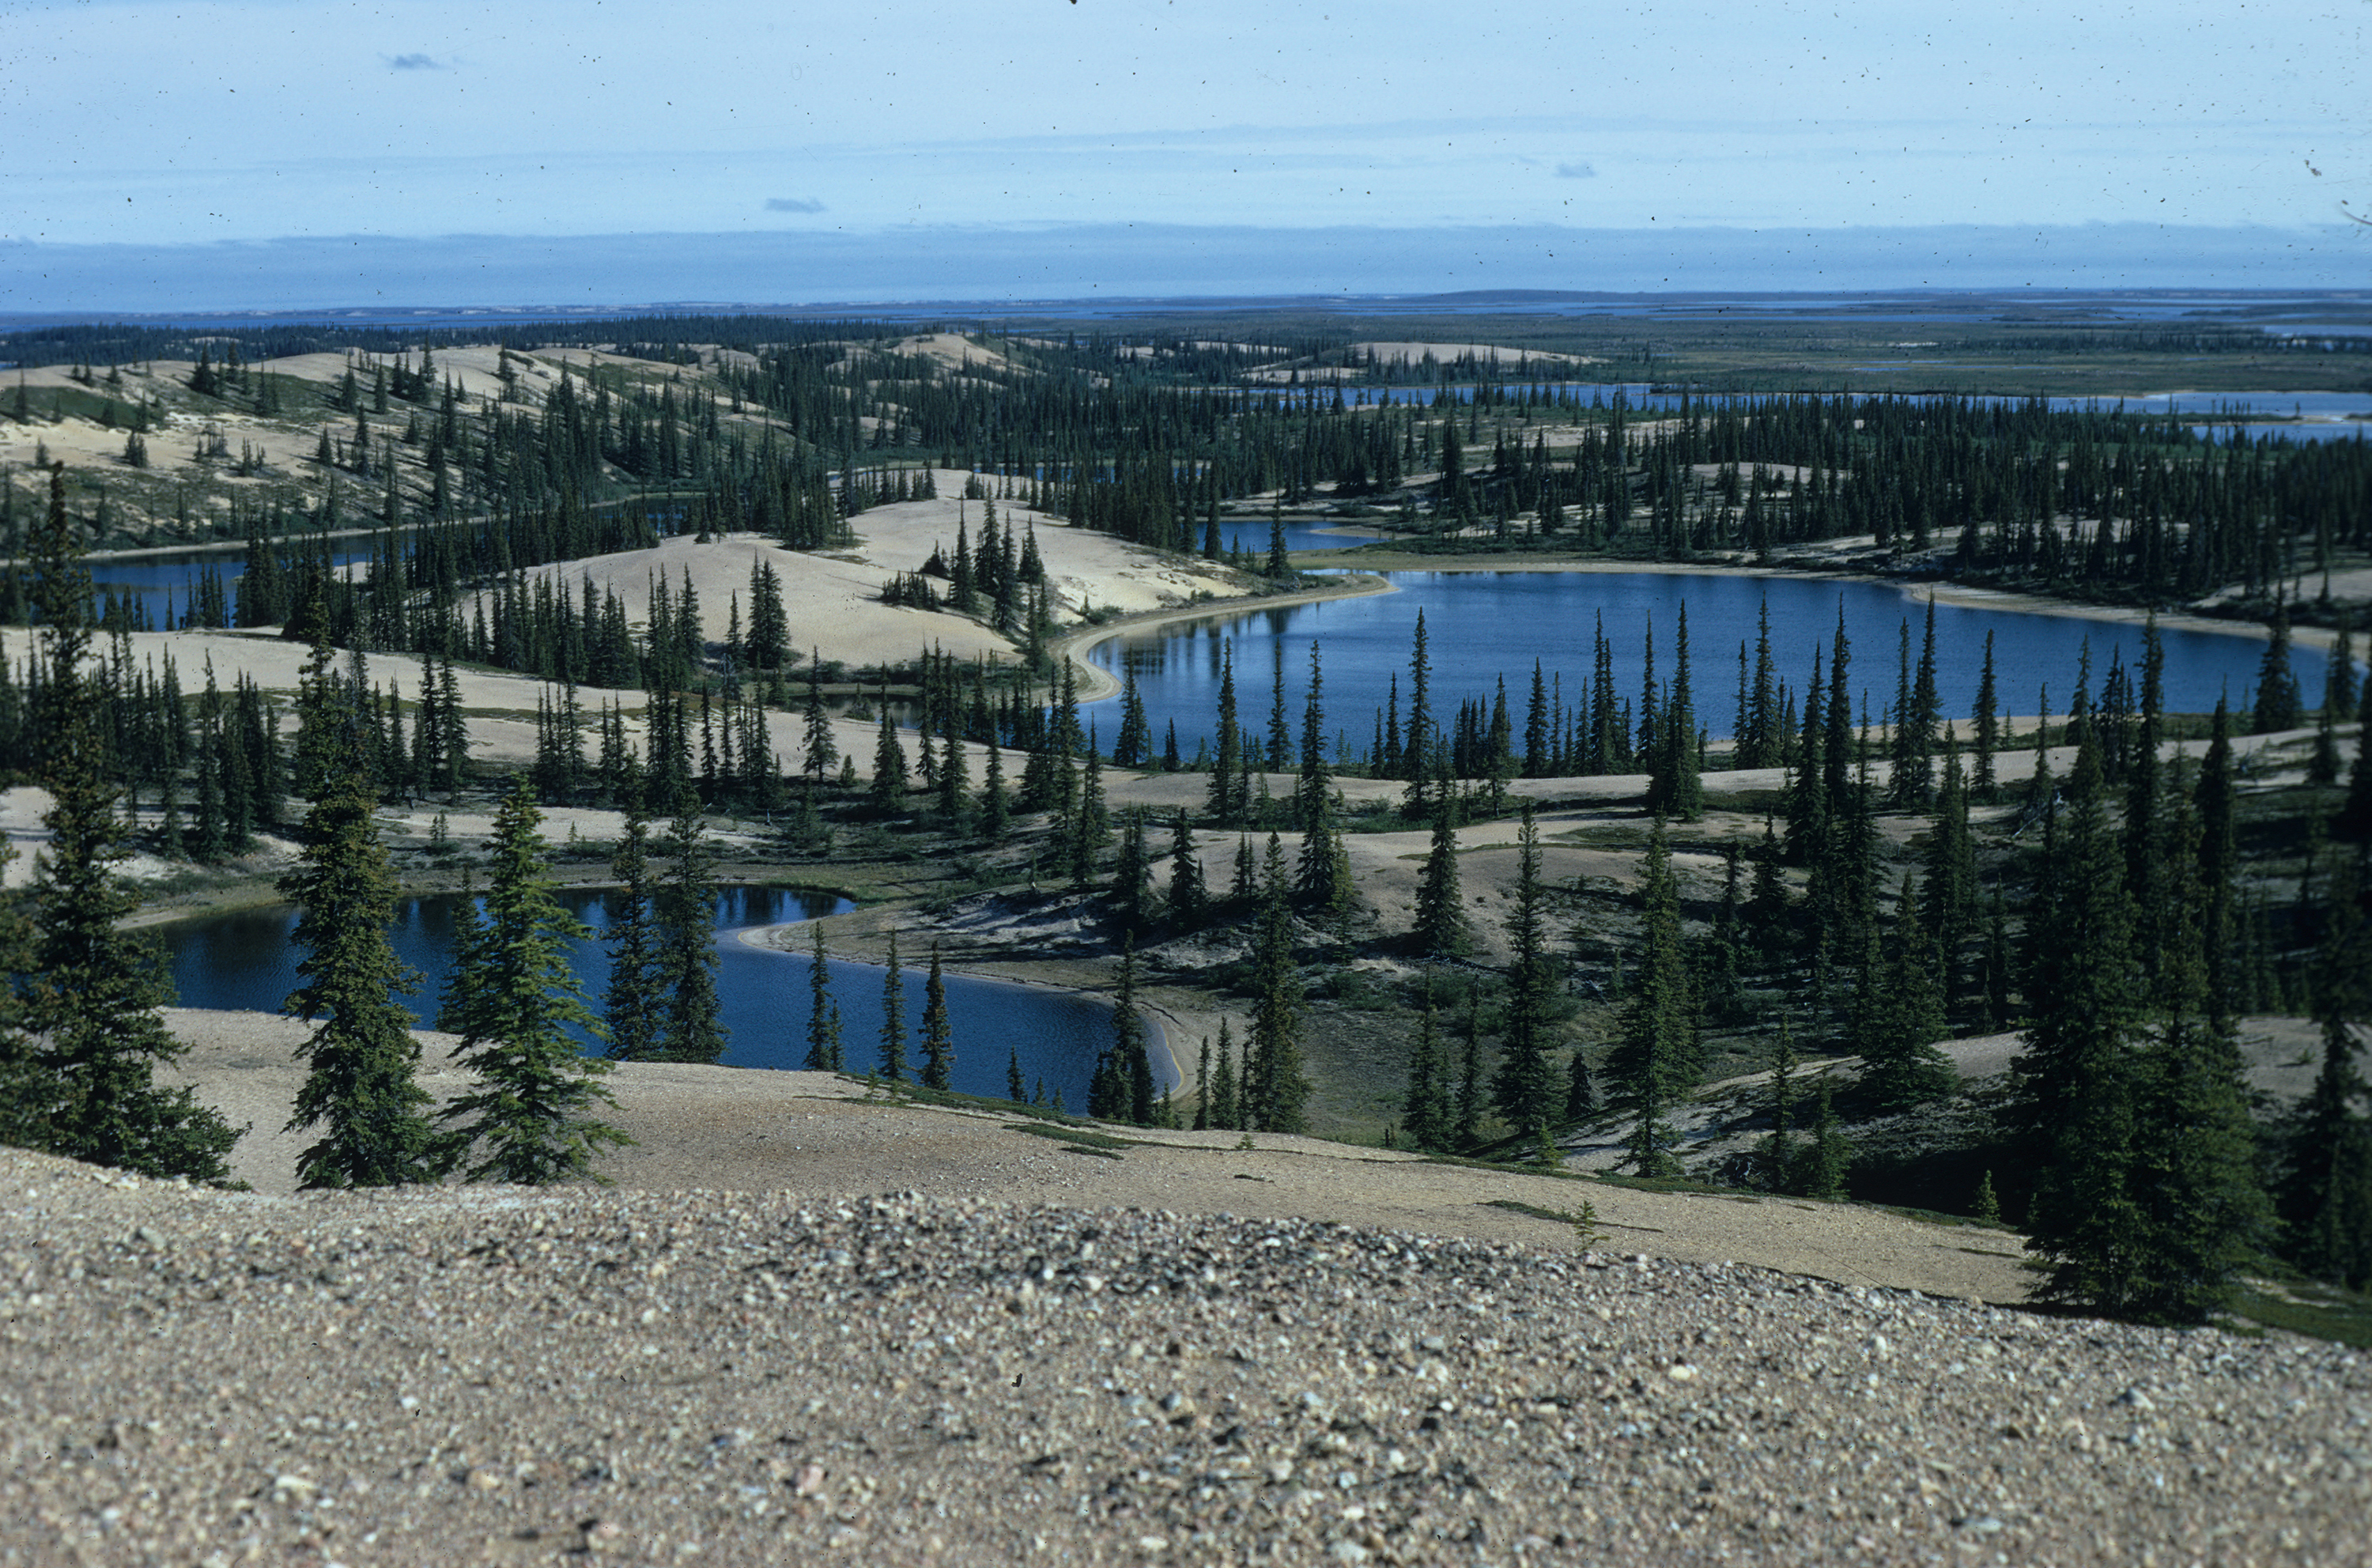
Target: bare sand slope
[(817, 1135)]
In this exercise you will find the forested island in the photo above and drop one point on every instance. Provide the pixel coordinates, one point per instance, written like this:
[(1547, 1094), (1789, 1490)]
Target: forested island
[(335, 614)]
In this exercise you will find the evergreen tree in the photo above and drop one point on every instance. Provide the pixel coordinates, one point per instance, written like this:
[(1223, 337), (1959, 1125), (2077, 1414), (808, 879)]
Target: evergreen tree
[(1272, 1051), (511, 998), (1469, 1128), (1778, 1161), (1189, 900), (1131, 872), (2326, 1176), (938, 1038), (1654, 1060), (893, 1017), (1900, 1016), (2076, 1081), (994, 811), (1225, 807), (78, 1070), (2202, 1213), (1987, 731), (1424, 1110), (1829, 1159), (1525, 1090), (633, 1006), (822, 752), (1441, 930), (359, 1086), (1674, 789), (2279, 705), (1227, 1110), (823, 1016), (684, 928), (889, 764)]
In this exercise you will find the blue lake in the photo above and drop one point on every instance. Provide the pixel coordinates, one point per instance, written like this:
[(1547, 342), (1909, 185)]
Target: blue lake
[(1481, 625), (246, 960)]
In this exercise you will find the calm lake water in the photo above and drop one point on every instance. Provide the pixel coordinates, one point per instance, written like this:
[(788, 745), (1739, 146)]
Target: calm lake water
[(246, 960), (1481, 625)]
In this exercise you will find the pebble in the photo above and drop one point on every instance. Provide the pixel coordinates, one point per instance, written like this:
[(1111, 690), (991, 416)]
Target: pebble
[(772, 1378)]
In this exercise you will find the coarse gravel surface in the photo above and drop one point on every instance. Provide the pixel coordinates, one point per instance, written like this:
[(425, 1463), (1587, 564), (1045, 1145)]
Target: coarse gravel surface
[(497, 1374)]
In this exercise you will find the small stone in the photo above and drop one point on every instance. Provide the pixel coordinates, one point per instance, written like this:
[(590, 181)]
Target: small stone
[(1280, 1471), (1682, 1373), (808, 1481)]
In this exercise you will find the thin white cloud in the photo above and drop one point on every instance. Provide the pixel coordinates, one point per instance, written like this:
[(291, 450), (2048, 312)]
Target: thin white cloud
[(1576, 171), (416, 62), (793, 205)]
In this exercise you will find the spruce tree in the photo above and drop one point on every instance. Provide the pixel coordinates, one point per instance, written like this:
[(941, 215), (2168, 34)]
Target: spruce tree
[(2076, 1081), (1272, 1051), (2325, 1191), (1524, 1091), (2202, 1215), (938, 1037), (359, 1086), (1227, 1111), (79, 1072), (1777, 1161), (823, 1028), (1654, 1060), (684, 923), (893, 1017), (1189, 900), (888, 792), (1900, 1016), (1441, 930), (633, 1006), (2279, 704), (822, 752), (1424, 1110), (511, 998), (1222, 803)]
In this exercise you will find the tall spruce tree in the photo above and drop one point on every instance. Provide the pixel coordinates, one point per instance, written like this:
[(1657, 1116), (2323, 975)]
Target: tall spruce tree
[(684, 927), (2203, 1217), (511, 998), (2325, 1190), (1424, 1110), (1441, 930), (359, 1084), (1525, 1091), (893, 1016), (824, 1015), (2076, 1081), (79, 1071), (938, 1035), (633, 1006), (1900, 1016), (1272, 1051), (1654, 1060)]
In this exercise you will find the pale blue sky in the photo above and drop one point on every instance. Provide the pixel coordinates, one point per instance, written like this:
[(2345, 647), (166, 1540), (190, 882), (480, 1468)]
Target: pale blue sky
[(150, 126)]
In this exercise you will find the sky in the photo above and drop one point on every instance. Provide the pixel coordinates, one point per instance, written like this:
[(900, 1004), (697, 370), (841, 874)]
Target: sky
[(282, 152)]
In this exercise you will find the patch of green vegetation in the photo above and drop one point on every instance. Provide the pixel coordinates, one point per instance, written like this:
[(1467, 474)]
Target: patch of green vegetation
[(2309, 1308), (1080, 1138)]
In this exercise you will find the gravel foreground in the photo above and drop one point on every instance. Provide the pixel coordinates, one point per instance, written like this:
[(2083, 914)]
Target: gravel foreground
[(493, 1374)]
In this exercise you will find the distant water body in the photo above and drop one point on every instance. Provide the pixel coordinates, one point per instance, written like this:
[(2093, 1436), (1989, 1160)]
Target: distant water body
[(1482, 625), (247, 961)]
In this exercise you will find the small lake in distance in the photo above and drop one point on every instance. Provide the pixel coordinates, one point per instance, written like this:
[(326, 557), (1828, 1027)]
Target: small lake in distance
[(246, 960)]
